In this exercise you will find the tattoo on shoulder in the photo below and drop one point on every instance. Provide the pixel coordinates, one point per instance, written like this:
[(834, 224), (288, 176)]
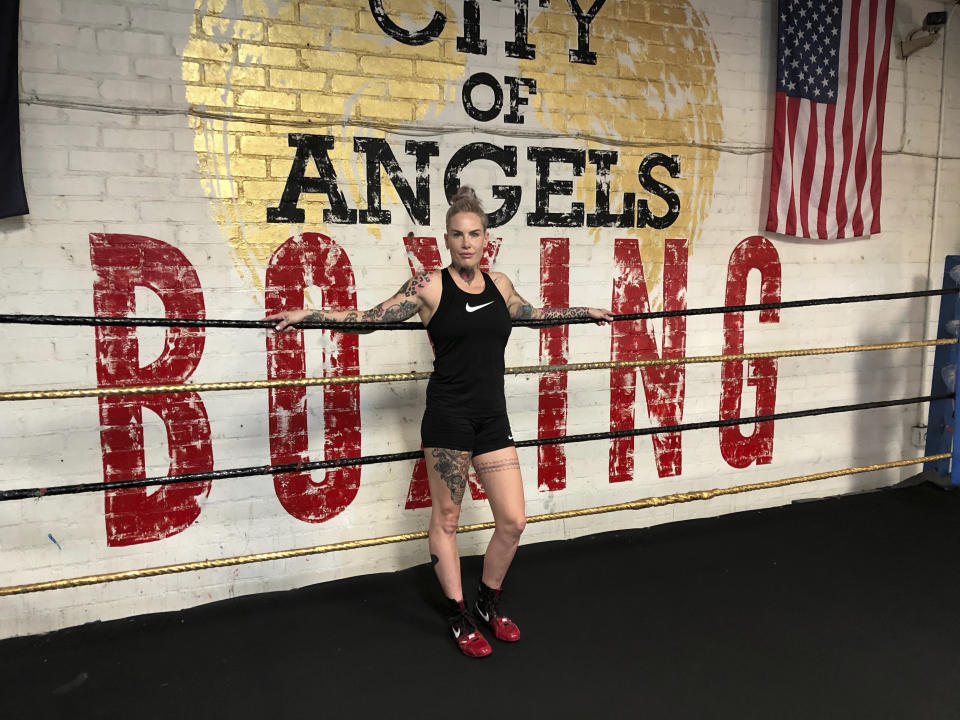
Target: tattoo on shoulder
[(414, 285)]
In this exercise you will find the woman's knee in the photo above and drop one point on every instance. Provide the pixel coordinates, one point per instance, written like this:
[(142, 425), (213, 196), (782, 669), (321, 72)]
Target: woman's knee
[(512, 526), (446, 519)]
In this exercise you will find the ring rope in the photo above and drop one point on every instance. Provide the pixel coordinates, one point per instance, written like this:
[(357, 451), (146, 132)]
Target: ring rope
[(648, 502), (26, 493), (401, 377), (92, 320)]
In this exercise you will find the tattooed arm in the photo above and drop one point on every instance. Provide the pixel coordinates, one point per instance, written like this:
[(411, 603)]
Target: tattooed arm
[(520, 309), (403, 304)]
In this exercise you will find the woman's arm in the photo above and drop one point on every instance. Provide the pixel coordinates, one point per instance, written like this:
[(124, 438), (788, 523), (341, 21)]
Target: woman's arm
[(403, 304), (520, 309)]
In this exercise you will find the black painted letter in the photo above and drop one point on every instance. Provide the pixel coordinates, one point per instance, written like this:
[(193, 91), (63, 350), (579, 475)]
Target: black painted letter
[(582, 54), (470, 41), (379, 154), (546, 187), (520, 48), (603, 159), (665, 192), (505, 158), (482, 78), (421, 37), (311, 146), (515, 100)]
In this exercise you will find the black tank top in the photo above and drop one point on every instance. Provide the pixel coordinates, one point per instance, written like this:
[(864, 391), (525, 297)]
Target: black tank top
[(469, 333)]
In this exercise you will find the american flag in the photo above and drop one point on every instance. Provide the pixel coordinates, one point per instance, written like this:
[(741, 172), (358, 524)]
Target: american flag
[(832, 63)]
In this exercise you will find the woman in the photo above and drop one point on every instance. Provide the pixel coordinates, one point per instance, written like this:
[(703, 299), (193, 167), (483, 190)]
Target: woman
[(467, 314)]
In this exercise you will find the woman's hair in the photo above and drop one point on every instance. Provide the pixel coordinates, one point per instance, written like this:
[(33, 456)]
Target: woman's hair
[(465, 201)]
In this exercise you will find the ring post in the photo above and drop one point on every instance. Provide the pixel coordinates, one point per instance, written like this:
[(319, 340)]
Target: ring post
[(941, 420)]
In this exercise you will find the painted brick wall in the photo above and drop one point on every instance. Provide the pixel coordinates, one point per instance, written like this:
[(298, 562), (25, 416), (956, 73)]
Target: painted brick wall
[(157, 133)]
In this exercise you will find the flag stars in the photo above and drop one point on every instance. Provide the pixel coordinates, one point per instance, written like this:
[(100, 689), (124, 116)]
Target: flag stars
[(807, 53)]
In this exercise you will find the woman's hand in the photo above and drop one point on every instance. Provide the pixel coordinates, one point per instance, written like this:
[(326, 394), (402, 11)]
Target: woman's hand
[(288, 318), (601, 316)]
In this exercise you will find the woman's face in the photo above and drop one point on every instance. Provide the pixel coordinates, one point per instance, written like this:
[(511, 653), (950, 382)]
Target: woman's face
[(465, 239)]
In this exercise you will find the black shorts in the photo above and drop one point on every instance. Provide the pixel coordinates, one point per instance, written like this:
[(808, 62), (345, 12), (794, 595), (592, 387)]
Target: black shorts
[(445, 429)]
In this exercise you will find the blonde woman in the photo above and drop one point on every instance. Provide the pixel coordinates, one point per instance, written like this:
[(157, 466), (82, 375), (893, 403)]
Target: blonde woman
[(467, 314)]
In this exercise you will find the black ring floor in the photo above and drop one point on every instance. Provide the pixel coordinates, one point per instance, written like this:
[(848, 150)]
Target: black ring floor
[(839, 608)]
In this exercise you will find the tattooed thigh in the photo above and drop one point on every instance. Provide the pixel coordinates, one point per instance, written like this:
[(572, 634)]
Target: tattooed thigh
[(452, 466)]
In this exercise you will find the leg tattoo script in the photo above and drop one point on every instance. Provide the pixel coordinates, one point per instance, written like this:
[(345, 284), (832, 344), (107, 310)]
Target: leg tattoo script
[(497, 466)]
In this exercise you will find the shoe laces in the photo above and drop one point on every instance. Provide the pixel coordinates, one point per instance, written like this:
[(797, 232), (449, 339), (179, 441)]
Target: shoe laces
[(490, 605), (464, 623)]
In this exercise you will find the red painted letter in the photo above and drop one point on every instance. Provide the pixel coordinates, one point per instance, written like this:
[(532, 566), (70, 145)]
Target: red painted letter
[(313, 259), (122, 263), (756, 252), (663, 384), (554, 350)]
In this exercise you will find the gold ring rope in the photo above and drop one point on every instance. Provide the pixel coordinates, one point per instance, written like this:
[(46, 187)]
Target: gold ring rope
[(640, 504), (400, 377)]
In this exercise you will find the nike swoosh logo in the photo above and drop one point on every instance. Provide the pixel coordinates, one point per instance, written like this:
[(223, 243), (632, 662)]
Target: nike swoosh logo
[(486, 618), (471, 308), (456, 633)]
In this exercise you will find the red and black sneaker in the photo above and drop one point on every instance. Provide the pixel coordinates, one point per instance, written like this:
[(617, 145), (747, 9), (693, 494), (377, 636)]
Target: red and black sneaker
[(470, 641), (488, 611)]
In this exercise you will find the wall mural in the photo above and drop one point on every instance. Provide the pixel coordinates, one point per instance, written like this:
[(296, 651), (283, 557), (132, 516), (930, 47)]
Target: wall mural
[(316, 123)]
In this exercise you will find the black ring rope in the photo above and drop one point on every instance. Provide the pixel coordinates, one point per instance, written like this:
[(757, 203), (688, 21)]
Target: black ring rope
[(25, 493), (199, 322)]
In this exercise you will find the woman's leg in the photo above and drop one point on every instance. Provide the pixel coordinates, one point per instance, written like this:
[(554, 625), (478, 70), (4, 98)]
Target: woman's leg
[(499, 473), (447, 474)]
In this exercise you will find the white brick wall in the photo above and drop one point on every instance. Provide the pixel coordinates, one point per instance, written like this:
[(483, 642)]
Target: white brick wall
[(109, 146)]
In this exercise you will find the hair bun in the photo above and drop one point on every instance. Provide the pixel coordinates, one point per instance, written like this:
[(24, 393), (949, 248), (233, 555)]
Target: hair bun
[(464, 193), (465, 200)]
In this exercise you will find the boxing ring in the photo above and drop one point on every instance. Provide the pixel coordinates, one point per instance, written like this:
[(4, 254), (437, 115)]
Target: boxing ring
[(940, 453), (825, 608)]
